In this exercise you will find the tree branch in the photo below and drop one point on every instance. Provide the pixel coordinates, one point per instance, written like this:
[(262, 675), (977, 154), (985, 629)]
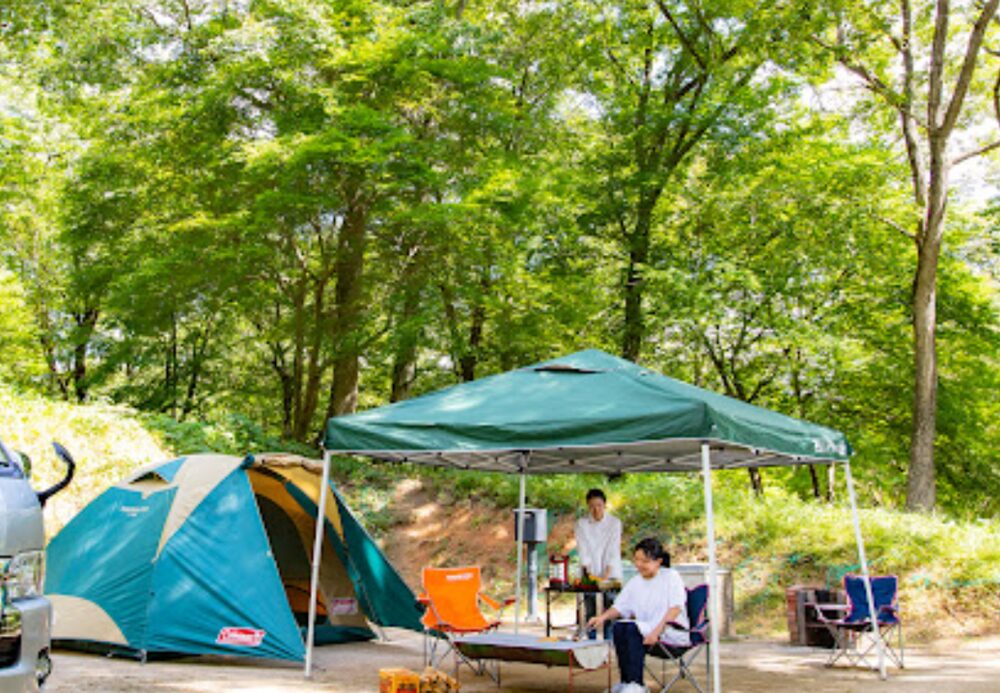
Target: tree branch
[(968, 62), (688, 45), (621, 68), (151, 17), (895, 226), (996, 97), (872, 82), (935, 77), (978, 152), (906, 114)]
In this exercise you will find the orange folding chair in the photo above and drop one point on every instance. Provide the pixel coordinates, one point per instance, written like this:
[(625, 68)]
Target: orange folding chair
[(451, 597)]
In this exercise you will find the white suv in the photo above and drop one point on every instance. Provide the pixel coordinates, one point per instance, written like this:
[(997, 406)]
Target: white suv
[(25, 615)]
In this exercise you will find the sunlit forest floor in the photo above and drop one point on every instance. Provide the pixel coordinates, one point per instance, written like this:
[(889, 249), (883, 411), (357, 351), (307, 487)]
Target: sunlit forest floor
[(971, 665)]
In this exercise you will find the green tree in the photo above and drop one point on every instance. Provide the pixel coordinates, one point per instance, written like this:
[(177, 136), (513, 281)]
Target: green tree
[(660, 79), (919, 61)]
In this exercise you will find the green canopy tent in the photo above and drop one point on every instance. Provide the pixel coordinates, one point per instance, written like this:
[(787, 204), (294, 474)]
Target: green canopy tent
[(588, 412)]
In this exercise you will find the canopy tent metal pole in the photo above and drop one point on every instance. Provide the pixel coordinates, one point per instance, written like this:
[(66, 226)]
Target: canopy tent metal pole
[(520, 545), (864, 571), (713, 581), (316, 557)]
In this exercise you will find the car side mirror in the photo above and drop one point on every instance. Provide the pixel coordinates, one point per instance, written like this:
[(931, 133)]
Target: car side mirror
[(63, 454), (25, 463)]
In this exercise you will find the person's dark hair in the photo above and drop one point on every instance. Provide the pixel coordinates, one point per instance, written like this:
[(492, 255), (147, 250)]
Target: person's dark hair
[(596, 493), (652, 547)]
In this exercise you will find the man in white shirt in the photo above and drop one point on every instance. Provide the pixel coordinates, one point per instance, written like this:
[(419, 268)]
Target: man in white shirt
[(651, 600), (599, 545)]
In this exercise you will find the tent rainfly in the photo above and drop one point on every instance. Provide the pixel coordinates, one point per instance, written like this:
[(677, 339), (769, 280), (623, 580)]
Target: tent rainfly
[(588, 412)]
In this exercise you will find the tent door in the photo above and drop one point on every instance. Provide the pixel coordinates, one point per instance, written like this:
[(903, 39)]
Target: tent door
[(290, 529), (291, 558)]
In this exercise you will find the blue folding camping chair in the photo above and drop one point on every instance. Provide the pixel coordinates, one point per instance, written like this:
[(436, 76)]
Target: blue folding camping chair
[(851, 626), (685, 656)]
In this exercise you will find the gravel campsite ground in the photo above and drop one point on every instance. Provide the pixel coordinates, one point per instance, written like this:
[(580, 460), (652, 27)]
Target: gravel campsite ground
[(970, 666)]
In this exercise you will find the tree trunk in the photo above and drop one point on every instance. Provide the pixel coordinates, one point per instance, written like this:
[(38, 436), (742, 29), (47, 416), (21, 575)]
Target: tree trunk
[(285, 379), (45, 338), (314, 366), (817, 495), (470, 359), (198, 350), (404, 365), (350, 268), (921, 492), (920, 489), (171, 369), (80, 371), (85, 323), (298, 348), (638, 255)]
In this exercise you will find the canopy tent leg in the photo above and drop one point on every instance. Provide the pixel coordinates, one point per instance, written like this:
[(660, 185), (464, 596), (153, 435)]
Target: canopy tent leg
[(316, 557), (864, 571), (713, 581), (520, 545)]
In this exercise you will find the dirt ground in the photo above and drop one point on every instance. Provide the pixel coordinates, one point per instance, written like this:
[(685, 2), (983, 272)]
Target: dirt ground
[(482, 536), (970, 666)]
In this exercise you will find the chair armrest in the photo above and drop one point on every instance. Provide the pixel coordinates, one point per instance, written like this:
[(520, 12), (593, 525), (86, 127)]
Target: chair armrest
[(888, 611), (692, 629), (828, 607), (493, 603), (838, 610)]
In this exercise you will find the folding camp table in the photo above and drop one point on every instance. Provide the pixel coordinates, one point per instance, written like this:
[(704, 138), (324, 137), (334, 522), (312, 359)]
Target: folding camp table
[(605, 596), (588, 655)]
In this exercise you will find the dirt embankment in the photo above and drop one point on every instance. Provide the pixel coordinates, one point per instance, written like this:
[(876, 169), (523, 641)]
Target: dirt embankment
[(430, 531), (431, 528)]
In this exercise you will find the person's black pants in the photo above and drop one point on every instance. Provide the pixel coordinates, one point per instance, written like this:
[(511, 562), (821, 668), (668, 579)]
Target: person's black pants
[(630, 650), (590, 610)]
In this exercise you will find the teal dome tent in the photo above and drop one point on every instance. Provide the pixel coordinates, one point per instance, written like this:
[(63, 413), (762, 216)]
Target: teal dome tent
[(209, 554)]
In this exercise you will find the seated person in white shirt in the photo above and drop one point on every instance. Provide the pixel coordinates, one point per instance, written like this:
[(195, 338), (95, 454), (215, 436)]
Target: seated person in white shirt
[(599, 545), (650, 600)]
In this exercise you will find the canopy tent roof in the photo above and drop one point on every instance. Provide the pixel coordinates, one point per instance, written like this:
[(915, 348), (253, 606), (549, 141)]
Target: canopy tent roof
[(586, 412)]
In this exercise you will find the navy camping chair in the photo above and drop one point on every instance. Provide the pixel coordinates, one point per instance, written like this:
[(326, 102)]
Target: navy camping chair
[(851, 627), (684, 657)]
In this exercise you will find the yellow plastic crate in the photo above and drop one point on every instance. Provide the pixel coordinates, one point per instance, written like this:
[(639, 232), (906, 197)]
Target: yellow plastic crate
[(398, 681)]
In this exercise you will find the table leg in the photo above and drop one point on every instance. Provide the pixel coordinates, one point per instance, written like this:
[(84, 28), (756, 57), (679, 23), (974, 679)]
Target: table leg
[(600, 609), (548, 613), (571, 672)]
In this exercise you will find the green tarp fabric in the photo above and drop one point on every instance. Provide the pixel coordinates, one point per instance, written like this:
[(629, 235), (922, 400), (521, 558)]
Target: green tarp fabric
[(588, 411)]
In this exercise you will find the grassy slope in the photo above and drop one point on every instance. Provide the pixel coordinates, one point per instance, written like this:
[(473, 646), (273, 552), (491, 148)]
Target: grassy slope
[(105, 441), (950, 571)]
